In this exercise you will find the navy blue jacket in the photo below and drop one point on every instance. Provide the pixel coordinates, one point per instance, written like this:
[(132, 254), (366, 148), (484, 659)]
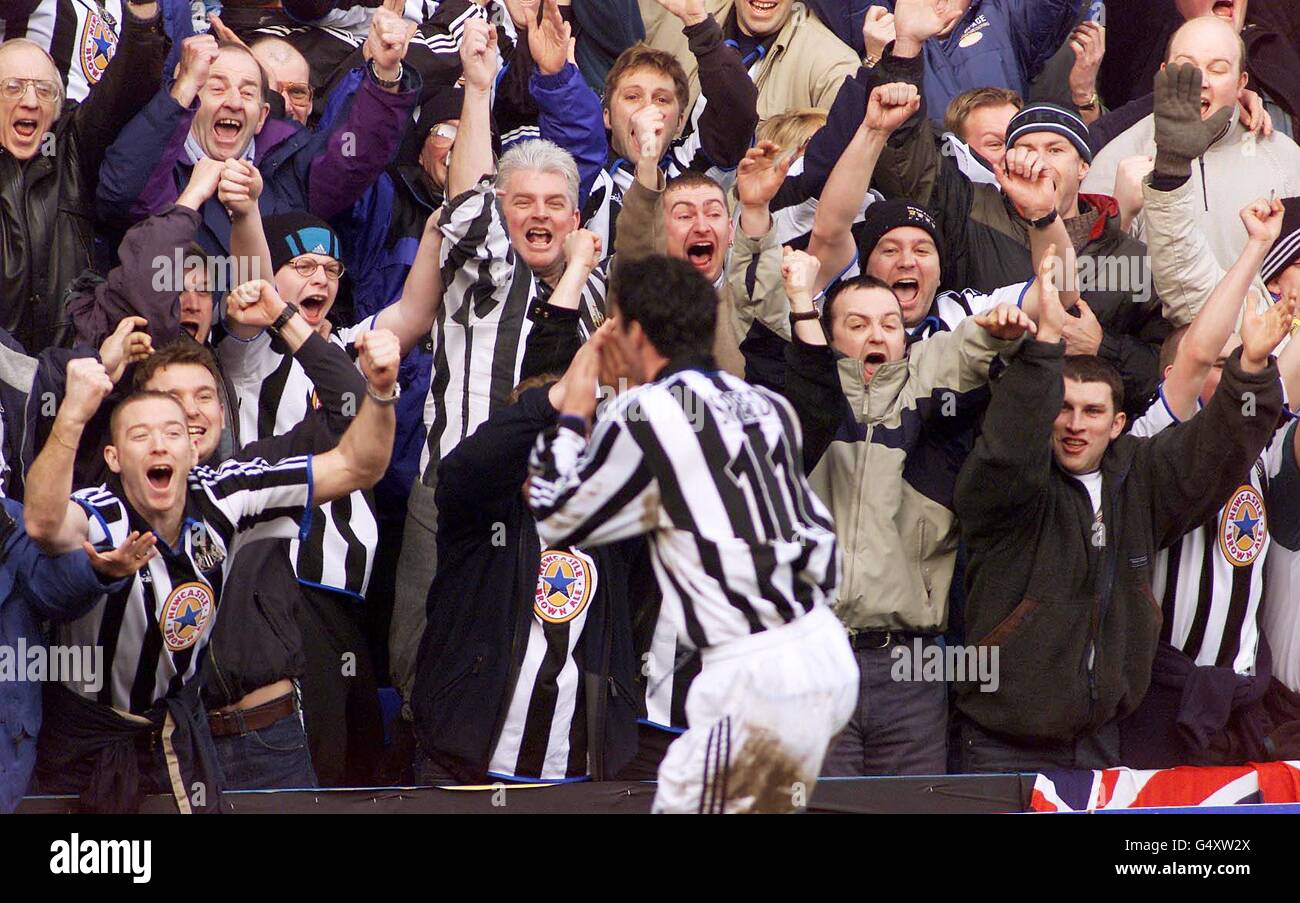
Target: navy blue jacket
[(1017, 39), (33, 587)]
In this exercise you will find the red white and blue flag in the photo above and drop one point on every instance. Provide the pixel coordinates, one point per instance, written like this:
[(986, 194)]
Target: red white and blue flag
[(1125, 788)]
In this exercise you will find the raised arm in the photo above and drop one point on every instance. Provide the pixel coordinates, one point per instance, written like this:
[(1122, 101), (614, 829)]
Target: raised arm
[(554, 340), (1202, 346), (362, 454), (832, 240), (239, 188), (53, 520), (473, 158), (411, 316), (568, 111), (730, 115)]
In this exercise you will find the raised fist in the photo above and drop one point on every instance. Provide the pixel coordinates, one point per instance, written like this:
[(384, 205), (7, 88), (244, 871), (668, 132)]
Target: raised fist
[(198, 53), (386, 45), (88, 384), (1263, 220), (1027, 183), (254, 303), (799, 272), (478, 54), (380, 355), (650, 132), (890, 106), (582, 247)]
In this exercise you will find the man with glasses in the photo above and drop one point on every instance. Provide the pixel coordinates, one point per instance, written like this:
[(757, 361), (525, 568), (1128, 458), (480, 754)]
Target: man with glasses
[(289, 74), (274, 394), (48, 166), (217, 107)]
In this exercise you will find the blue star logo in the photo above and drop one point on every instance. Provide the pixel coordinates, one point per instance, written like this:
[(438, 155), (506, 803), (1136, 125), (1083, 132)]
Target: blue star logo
[(103, 47), (189, 619), (558, 583), (1246, 526)]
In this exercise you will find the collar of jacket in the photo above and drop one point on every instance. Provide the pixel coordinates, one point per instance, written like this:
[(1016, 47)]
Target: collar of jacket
[(870, 401), (686, 362), (798, 15), (1106, 206)]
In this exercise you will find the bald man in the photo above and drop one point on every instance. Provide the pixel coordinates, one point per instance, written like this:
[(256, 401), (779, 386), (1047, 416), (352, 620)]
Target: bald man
[(1198, 141), (289, 73), (49, 160)]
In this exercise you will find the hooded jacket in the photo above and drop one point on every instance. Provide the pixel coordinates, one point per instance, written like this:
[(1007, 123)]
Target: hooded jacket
[(1069, 605), (46, 203)]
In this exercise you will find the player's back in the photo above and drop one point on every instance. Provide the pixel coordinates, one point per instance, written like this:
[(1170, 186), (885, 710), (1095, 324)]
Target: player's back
[(743, 544)]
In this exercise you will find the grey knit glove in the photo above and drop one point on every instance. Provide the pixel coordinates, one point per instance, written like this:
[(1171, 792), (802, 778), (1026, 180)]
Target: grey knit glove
[(1181, 134)]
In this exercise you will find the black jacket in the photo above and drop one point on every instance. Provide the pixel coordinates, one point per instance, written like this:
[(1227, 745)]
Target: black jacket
[(1052, 592), (481, 603), (47, 202)]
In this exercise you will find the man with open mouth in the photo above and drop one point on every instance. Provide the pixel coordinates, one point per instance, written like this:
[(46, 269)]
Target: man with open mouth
[(988, 235), (48, 164), (274, 394), (162, 621), (217, 108), (1197, 142), (712, 134)]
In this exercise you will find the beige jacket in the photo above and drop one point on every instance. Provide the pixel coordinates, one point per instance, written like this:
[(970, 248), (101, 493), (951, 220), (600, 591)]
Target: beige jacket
[(804, 68), (899, 545), (641, 234), (1184, 268), (1237, 169)]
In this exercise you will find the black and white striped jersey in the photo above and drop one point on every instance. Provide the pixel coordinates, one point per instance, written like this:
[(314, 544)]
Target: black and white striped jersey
[(668, 666), (273, 394), (80, 35), (480, 333), (544, 733), (711, 468), (1282, 568), (1211, 583), (153, 631)]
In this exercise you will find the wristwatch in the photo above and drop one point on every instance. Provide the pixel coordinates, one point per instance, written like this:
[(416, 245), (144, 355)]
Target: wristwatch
[(1045, 221), (285, 316), (1093, 103), (380, 399), (805, 315), (384, 82)]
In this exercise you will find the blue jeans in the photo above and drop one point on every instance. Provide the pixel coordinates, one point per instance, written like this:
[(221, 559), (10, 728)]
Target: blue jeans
[(274, 758)]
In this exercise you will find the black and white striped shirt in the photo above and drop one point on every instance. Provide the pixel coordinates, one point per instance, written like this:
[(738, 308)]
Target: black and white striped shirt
[(153, 632), (711, 467), (544, 733), (80, 35), (273, 394), (479, 337), (1211, 582)]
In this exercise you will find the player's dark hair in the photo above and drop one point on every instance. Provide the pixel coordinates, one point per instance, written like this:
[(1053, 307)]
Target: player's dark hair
[(675, 305), (138, 395), (1088, 368), (861, 281)]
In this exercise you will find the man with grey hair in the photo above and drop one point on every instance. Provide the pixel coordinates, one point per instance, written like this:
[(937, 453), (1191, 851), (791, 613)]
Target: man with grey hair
[(48, 167), (503, 253), (289, 74)]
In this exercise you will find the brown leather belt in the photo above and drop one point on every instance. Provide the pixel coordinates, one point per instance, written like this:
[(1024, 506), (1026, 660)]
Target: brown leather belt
[(229, 724)]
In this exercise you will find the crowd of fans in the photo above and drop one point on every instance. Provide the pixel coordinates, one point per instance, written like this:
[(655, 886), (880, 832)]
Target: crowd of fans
[(290, 290)]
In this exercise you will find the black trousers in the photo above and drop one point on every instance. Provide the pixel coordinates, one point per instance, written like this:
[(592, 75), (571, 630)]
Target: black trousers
[(340, 696)]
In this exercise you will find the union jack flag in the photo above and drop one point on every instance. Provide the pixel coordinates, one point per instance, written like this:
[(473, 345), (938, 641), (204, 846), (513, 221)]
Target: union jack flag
[(1125, 788)]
